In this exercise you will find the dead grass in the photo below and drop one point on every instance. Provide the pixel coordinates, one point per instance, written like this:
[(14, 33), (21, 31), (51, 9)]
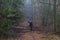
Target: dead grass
[(35, 36)]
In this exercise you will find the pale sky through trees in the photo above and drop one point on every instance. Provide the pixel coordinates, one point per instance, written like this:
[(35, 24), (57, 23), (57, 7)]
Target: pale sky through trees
[(35, 7)]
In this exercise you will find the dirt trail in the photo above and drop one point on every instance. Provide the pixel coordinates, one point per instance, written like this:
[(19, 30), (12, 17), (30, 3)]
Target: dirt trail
[(35, 36), (38, 36)]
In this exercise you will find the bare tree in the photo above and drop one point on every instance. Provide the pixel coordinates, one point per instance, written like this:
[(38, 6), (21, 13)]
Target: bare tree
[(54, 16)]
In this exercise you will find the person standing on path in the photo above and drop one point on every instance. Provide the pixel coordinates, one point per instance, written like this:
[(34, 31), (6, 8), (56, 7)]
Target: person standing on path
[(30, 24)]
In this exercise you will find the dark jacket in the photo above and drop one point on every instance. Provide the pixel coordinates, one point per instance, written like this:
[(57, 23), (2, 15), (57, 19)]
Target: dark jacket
[(30, 25)]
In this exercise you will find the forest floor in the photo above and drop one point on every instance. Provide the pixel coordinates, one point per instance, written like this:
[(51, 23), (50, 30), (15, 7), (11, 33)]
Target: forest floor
[(33, 35)]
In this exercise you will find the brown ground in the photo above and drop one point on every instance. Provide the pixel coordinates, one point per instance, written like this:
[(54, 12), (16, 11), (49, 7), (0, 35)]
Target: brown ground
[(35, 36), (39, 36)]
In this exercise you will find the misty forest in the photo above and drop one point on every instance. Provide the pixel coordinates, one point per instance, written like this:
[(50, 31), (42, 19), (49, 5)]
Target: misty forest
[(29, 19)]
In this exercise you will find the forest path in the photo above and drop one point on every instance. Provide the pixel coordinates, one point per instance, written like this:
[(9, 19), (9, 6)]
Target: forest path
[(34, 35), (38, 36)]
